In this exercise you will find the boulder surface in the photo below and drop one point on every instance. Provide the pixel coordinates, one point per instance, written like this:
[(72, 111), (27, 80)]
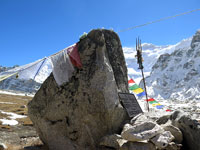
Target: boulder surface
[(79, 113)]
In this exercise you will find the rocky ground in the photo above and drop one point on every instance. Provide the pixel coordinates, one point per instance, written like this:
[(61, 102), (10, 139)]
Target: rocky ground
[(16, 129)]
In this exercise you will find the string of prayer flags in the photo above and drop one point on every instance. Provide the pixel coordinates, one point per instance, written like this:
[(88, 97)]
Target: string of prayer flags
[(135, 88), (140, 92), (154, 103)]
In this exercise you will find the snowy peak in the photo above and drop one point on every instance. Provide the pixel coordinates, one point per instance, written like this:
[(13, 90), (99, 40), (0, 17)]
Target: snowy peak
[(150, 55), (196, 39)]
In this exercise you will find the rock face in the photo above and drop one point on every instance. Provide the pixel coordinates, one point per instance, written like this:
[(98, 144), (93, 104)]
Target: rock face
[(195, 39), (79, 113)]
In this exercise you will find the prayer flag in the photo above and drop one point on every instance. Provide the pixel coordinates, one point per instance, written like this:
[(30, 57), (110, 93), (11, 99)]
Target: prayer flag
[(62, 67), (168, 110), (151, 99), (159, 106), (74, 55), (131, 81), (156, 104), (134, 87), (153, 102), (137, 91), (141, 94)]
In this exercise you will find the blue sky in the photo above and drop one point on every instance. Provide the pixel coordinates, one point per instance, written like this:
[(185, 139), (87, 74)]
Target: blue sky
[(32, 29)]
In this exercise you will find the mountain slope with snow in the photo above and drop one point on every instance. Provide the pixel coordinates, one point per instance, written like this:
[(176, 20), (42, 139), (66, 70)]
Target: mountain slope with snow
[(177, 75), (150, 55)]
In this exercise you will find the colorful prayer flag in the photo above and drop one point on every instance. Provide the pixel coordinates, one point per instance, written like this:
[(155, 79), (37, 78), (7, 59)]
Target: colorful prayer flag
[(134, 87), (159, 106), (151, 99), (131, 81), (168, 110), (141, 94), (137, 91), (156, 104), (153, 102)]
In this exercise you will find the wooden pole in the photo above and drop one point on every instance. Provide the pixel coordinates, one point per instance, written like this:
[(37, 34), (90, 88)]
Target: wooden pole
[(145, 90), (139, 57)]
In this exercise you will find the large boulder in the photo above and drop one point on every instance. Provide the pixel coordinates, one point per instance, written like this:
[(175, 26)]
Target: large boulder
[(79, 113), (190, 129)]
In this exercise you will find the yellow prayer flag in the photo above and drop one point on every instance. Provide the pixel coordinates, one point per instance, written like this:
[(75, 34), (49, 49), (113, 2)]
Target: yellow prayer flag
[(139, 90), (156, 104)]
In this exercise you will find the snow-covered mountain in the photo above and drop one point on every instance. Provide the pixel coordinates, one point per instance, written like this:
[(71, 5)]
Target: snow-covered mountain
[(150, 54), (177, 75), (171, 71)]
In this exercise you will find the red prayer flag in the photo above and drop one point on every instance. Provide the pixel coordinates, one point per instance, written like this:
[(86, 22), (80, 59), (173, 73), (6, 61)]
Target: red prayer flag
[(151, 99), (168, 110), (74, 56), (131, 81)]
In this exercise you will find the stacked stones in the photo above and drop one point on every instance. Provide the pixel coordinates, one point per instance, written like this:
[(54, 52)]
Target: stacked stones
[(171, 132)]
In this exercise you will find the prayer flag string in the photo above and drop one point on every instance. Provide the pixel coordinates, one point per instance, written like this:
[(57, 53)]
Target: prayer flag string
[(140, 92)]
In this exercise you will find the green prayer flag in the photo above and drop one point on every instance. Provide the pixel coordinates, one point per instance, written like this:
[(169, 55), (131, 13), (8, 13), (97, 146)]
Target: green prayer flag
[(134, 87), (153, 102)]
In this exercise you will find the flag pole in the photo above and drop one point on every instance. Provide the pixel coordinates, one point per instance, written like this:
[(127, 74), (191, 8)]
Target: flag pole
[(139, 61)]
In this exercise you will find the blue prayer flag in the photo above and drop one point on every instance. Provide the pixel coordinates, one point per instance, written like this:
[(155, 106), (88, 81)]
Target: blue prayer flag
[(141, 94), (159, 106)]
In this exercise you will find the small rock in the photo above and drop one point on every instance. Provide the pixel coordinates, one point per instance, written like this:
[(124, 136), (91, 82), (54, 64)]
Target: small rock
[(176, 132), (113, 141), (173, 146), (138, 146), (163, 120), (138, 119), (3, 146), (23, 106), (163, 139), (140, 132)]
